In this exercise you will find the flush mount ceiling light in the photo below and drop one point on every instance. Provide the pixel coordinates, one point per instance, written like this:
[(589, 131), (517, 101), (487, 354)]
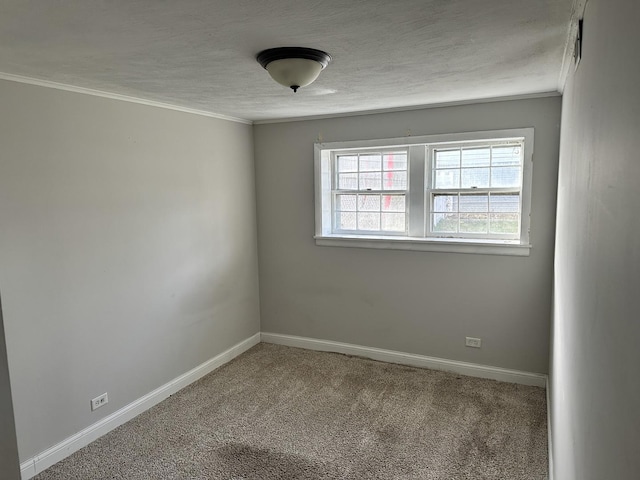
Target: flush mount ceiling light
[(293, 67)]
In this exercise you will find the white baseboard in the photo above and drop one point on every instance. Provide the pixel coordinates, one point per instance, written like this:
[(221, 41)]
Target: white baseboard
[(44, 460), (390, 356), (549, 436), (75, 442), (27, 469)]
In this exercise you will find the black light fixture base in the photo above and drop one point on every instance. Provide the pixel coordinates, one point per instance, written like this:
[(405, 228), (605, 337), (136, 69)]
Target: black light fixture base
[(265, 57)]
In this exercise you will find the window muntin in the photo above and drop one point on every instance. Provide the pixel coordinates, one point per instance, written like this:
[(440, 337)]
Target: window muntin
[(369, 191), (468, 192)]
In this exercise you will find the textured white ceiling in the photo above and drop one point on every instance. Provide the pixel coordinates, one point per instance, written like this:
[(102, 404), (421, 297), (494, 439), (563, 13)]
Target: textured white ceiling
[(200, 54)]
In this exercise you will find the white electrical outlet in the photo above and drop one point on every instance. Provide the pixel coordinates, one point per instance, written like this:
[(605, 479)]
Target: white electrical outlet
[(99, 401), (473, 342)]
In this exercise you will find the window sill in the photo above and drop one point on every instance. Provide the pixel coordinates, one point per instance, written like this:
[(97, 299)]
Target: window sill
[(478, 247)]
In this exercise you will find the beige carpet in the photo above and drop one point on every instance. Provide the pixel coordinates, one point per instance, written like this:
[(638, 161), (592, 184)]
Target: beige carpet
[(284, 413)]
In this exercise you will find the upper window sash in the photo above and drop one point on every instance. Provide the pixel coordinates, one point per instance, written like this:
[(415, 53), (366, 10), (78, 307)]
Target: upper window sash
[(471, 156), (357, 170)]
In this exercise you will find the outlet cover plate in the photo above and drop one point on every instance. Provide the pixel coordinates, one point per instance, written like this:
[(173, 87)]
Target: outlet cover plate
[(99, 401), (473, 342)]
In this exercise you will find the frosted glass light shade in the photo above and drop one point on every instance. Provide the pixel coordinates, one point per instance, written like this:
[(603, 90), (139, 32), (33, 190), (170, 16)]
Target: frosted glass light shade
[(293, 67), (294, 72)]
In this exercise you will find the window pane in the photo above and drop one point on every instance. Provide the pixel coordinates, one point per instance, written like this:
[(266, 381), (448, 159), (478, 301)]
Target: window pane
[(347, 181), (371, 181), (447, 178), (394, 180), (346, 203), (346, 221), (394, 161), (506, 155), (476, 157), (369, 203), (447, 158), (368, 221), (370, 162), (505, 177), (475, 177), (474, 203), (445, 203), (505, 223), (347, 163), (393, 203), (504, 202), (393, 222), (474, 223), (444, 222)]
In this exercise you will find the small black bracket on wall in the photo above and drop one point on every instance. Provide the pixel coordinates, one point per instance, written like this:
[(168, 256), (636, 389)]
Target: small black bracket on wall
[(577, 48)]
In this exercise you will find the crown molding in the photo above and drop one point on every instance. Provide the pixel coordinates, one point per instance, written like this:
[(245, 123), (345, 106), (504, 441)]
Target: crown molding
[(527, 96), (126, 98), (116, 96)]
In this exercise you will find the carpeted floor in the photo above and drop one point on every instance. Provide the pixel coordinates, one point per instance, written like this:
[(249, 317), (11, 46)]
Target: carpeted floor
[(284, 413)]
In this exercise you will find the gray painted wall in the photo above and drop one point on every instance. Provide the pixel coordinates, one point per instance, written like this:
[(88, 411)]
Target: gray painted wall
[(417, 302), (595, 381), (9, 467), (128, 251)]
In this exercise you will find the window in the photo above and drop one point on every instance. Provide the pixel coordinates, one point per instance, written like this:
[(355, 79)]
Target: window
[(369, 192), (465, 193)]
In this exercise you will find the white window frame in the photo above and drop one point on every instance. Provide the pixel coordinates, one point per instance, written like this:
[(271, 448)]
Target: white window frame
[(418, 197)]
